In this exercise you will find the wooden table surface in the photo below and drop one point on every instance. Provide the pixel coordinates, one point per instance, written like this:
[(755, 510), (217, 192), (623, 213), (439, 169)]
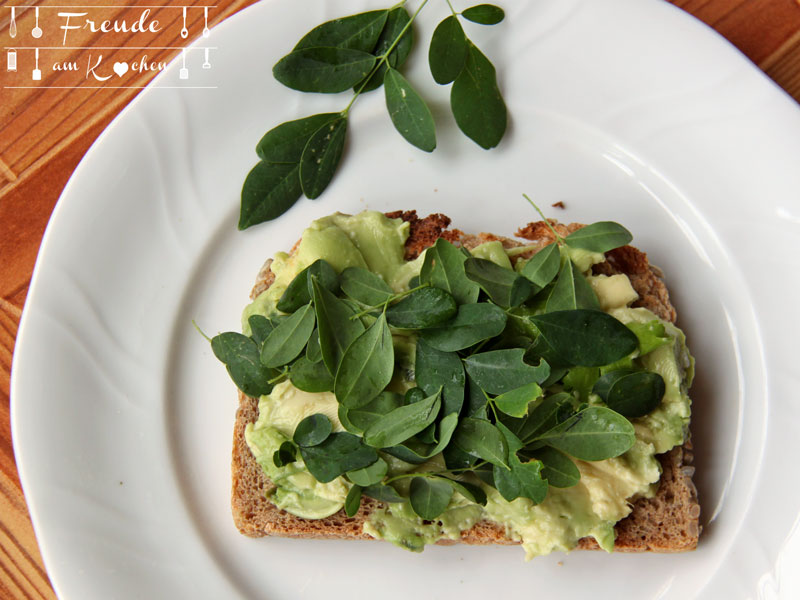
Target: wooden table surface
[(47, 126)]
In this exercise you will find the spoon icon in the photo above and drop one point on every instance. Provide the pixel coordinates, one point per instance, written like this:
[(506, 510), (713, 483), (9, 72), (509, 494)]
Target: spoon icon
[(205, 21), (184, 72), (12, 29), (37, 31), (184, 31)]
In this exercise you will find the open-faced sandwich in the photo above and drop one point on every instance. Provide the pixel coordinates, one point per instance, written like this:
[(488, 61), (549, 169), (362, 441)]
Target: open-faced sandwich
[(404, 381)]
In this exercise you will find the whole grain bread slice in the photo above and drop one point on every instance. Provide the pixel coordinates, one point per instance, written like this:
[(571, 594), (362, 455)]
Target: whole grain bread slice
[(668, 522)]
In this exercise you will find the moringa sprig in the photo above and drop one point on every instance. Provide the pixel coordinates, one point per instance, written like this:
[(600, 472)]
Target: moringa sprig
[(362, 52)]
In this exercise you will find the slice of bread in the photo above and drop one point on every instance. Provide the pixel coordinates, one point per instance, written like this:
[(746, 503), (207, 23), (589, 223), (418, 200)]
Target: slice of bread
[(668, 522)]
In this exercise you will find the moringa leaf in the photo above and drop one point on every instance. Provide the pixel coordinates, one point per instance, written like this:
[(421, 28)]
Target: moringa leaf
[(384, 493), (455, 458), (418, 454), (476, 102), (367, 366), (484, 14), (312, 377), (543, 417), (421, 309), (427, 435), (448, 50), (403, 422), (370, 474), (599, 237), (312, 431), (260, 328), (594, 433), (339, 453), (435, 369), (365, 286), (512, 440), (417, 394), (571, 291), (289, 338), (344, 418), (477, 400), (429, 496), (470, 491), (362, 417), (631, 393), (410, 115), (395, 23), (242, 358), (473, 323), (587, 338), (358, 32), (515, 402), (313, 350), (269, 190), (556, 375), (321, 156), (443, 267), (558, 469), (522, 479), (284, 455), (336, 329), (353, 501), (405, 452), (481, 439), (326, 70), (500, 371), (581, 380), (299, 291), (541, 348), (543, 266), (504, 286), (285, 143)]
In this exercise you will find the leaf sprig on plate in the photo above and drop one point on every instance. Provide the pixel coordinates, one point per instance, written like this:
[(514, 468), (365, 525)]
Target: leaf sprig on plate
[(363, 52), (516, 374)]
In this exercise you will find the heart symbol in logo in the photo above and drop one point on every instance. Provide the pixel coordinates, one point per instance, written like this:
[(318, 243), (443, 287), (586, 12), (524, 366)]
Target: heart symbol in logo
[(120, 68)]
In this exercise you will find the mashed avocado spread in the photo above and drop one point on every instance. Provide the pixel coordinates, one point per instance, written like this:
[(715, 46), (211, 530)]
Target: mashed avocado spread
[(590, 508)]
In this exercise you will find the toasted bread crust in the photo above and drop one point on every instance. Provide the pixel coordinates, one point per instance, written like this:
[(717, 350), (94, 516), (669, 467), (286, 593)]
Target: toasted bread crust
[(424, 232), (668, 522)]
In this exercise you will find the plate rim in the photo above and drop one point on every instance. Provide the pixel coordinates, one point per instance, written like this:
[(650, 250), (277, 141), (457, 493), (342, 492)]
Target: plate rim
[(21, 339)]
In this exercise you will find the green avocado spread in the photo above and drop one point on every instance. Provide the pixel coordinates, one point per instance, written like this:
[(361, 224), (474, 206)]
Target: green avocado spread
[(606, 488)]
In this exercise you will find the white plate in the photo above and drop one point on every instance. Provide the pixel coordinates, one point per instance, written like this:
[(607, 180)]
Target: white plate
[(626, 110)]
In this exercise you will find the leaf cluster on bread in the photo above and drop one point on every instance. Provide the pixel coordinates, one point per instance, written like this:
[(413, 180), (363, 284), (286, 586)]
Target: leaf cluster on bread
[(493, 389)]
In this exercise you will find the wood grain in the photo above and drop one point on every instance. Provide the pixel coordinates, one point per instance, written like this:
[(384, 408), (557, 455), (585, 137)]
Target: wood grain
[(45, 132)]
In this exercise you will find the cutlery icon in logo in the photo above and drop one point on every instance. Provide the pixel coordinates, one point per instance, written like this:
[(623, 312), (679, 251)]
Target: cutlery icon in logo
[(206, 64), (12, 60), (205, 21), (184, 72), (37, 31), (12, 28), (184, 31), (37, 74)]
